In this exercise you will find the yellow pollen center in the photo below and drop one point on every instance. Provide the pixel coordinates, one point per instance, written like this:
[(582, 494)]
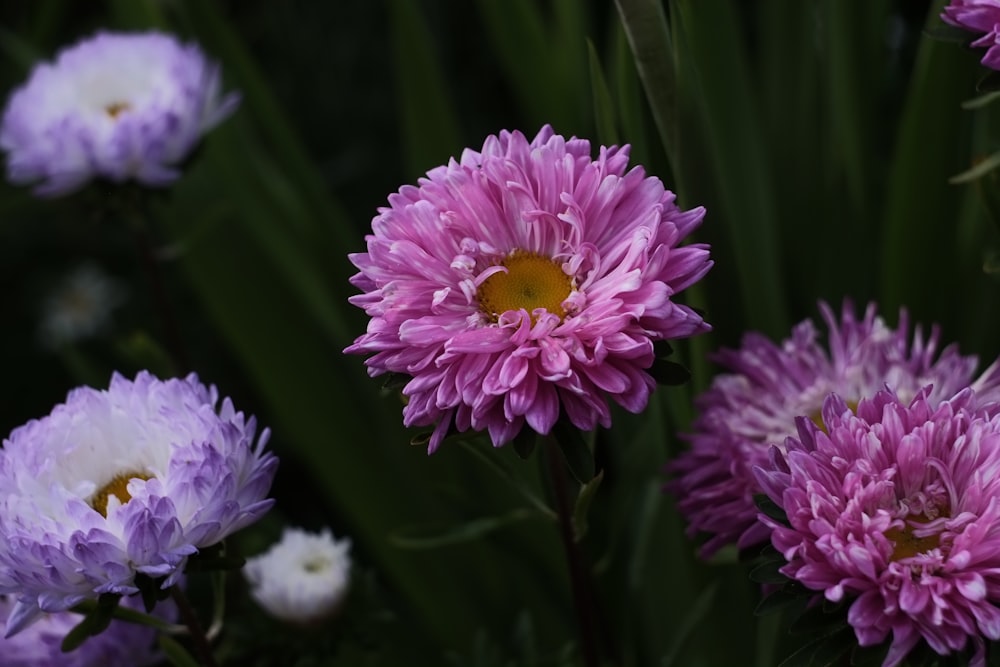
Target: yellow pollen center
[(906, 545), (817, 417), (117, 487), (531, 281), (116, 108)]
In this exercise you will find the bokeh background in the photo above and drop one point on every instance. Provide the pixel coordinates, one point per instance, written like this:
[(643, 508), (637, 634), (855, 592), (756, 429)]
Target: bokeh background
[(820, 135)]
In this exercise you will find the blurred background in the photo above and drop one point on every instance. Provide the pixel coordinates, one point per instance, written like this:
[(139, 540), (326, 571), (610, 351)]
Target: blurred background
[(820, 135)]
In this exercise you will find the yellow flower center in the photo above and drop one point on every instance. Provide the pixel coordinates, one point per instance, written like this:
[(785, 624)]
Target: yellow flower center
[(531, 281), (906, 545), (117, 487), (116, 108), (817, 416)]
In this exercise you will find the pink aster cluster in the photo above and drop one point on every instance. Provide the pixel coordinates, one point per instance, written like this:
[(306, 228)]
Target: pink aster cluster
[(524, 281), (894, 506), (766, 386), (981, 17)]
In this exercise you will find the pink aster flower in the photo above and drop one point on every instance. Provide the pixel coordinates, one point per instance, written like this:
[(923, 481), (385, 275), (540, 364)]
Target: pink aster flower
[(119, 106), (131, 480), (525, 280), (895, 508), (981, 17), (768, 385)]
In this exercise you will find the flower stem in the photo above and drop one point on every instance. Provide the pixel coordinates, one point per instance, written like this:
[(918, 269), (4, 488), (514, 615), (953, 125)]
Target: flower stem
[(201, 646), (583, 596)]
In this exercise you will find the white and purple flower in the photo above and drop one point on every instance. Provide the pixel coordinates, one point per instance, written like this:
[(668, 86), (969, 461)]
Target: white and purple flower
[(118, 106), (524, 281), (753, 405), (120, 482), (894, 507)]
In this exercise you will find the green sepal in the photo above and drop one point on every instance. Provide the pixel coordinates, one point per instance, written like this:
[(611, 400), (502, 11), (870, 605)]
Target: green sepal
[(151, 590), (214, 558), (94, 622), (825, 651), (664, 371), (789, 595), (770, 508), (768, 572)]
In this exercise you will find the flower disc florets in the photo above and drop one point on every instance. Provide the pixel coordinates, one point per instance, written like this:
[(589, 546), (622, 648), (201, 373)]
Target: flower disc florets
[(119, 106), (125, 481), (767, 385), (895, 508), (524, 280)]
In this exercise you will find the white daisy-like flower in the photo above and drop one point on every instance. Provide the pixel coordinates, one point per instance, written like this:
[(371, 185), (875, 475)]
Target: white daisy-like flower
[(303, 577), (120, 106)]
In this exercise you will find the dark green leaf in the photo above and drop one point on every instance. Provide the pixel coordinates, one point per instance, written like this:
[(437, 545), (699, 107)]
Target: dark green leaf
[(604, 108), (669, 373), (788, 595), (946, 32), (768, 572), (436, 535), (94, 622), (820, 618)]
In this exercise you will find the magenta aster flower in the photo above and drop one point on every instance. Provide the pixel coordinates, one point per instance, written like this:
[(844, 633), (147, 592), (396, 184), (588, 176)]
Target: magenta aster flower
[(122, 644), (126, 481), (768, 385), (982, 17), (118, 106), (523, 280), (896, 508)]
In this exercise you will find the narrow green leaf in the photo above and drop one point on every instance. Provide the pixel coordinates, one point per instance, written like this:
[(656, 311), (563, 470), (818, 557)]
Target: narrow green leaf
[(782, 598), (695, 617), (137, 14), (176, 654), (491, 459), (435, 535), (979, 170), (430, 122), (980, 101), (604, 108), (582, 506)]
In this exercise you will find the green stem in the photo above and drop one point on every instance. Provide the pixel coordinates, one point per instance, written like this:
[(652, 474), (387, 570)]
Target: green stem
[(583, 597), (201, 646)]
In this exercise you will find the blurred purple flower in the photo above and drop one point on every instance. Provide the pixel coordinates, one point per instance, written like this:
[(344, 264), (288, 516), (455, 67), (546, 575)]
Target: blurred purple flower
[(524, 280), (896, 509), (122, 644), (768, 385), (133, 479), (981, 17), (120, 106)]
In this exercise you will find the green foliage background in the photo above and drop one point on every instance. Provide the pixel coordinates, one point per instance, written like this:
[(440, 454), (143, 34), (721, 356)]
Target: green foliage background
[(820, 135)]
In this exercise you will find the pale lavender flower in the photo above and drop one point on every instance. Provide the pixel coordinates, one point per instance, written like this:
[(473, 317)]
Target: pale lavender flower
[(524, 280), (119, 106), (767, 385), (125, 481), (895, 508), (981, 17), (122, 644), (303, 578)]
